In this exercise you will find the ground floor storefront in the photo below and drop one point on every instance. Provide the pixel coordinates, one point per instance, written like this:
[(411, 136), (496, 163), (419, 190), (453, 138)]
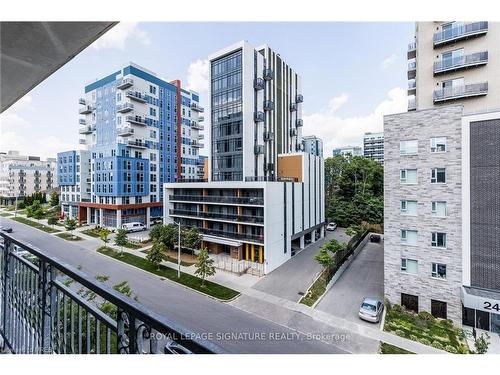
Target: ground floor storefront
[(114, 216), (481, 309)]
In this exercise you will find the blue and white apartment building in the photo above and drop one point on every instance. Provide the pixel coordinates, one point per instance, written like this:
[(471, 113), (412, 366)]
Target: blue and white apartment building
[(138, 132)]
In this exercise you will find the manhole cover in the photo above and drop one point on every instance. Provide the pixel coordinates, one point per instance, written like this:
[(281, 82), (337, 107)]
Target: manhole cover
[(300, 293)]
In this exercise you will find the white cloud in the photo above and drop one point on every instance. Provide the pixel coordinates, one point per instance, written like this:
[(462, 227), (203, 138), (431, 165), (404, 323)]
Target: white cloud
[(387, 62), (197, 78), (340, 131), (121, 33), (11, 119)]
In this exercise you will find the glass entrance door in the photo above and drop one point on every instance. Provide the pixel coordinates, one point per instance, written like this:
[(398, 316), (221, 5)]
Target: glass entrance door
[(483, 320), (495, 323)]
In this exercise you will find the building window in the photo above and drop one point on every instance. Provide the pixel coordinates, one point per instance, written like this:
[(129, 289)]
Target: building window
[(438, 309), (408, 176), (438, 209), (409, 208), (438, 175), (438, 239), (408, 147), (438, 271), (409, 266), (409, 302), (438, 144), (409, 237)]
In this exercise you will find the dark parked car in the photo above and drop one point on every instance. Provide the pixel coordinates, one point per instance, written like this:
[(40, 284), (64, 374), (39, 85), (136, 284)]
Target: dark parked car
[(375, 238), (6, 229)]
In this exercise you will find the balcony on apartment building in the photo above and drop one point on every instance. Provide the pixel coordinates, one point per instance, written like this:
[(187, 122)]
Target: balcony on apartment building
[(85, 110), (460, 92), (82, 142), (461, 62), (252, 201), (125, 131), (412, 69), (82, 121), (412, 86), (125, 107), (259, 83), (299, 98), (299, 122), (268, 136), (201, 136), (268, 74), (124, 83), (259, 149), (258, 238), (196, 107), (82, 101), (88, 129), (293, 132), (470, 30), (293, 107), (197, 144), (412, 50), (30, 327), (138, 120), (137, 143), (412, 103), (137, 96), (201, 118), (259, 116), (268, 105), (196, 126), (217, 216)]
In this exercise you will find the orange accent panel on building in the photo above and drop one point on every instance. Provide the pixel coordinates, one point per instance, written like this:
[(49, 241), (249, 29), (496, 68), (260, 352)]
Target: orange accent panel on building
[(290, 166)]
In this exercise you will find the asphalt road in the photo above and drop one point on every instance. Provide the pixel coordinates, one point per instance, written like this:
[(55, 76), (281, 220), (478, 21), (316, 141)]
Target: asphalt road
[(239, 331), (297, 275), (363, 278)]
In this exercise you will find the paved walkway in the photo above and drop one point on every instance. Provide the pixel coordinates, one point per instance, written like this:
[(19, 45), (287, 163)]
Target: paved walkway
[(363, 278), (292, 279)]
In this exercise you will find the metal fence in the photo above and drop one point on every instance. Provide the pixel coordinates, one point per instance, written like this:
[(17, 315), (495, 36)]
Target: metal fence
[(240, 267), (47, 306)]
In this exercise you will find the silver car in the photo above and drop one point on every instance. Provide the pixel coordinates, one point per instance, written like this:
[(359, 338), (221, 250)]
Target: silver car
[(371, 310)]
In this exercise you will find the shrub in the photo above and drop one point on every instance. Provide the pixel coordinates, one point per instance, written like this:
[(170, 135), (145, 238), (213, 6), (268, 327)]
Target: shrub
[(387, 304), (400, 333), (437, 345), (451, 349), (413, 338), (424, 341), (397, 308), (448, 323), (424, 315)]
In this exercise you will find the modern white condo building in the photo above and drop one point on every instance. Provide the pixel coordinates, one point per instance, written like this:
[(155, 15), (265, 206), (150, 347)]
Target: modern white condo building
[(348, 150), (22, 175), (313, 145), (373, 146), (442, 179), (265, 196)]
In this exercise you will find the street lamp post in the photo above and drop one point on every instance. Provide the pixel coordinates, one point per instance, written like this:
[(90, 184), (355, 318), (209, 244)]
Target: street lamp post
[(179, 251)]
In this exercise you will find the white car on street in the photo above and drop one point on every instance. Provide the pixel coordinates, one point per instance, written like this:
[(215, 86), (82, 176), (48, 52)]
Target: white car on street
[(331, 226)]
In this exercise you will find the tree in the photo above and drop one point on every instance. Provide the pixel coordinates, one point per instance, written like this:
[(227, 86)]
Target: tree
[(104, 235), (54, 199), (156, 254), (204, 266), (324, 258), (70, 224), (167, 234), (121, 239), (482, 343), (52, 220), (35, 210), (191, 238)]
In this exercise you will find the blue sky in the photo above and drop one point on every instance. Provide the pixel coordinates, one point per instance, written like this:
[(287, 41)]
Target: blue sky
[(352, 74)]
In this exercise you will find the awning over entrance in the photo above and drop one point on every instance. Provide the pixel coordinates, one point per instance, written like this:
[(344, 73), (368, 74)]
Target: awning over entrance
[(481, 299), (221, 241)]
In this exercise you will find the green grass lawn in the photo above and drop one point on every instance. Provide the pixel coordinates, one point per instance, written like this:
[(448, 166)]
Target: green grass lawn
[(68, 237), (91, 232), (391, 349), (315, 291), (426, 329), (5, 214), (34, 224), (133, 246), (173, 260), (210, 288)]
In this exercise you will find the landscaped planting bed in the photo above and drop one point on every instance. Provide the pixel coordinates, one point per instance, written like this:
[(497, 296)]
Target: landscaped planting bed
[(34, 224), (68, 237), (426, 329), (386, 348), (94, 232)]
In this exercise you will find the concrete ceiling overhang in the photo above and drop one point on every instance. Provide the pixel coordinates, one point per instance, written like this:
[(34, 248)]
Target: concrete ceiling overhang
[(32, 51)]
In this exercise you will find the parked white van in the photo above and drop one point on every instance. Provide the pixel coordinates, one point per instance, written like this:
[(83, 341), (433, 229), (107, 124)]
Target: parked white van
[(134, 227)]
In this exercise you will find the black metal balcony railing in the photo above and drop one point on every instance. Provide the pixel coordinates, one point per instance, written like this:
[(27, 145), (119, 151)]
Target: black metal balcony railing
[(259, 116), (196, 107), (268, 105), (461, 62), (268, 136), (299, 98), (137, 96), (257, 201), (268, 74), (232, 235), (218, 216), (299, 122), (42, 313), (460, 32), (192, 180), (259, 83), (459, 92), (293, 107)]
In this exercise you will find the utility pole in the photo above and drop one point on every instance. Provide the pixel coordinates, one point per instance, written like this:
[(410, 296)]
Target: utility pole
[(15, 209), (179, 251)]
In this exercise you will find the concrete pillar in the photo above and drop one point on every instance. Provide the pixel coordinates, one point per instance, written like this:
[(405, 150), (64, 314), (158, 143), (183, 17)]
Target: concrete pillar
[(321, 232), (101, 217), (302, 242), (118, 218), (89, 217), (148, 216), (253, 253), (261, 254), (313, 236)]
